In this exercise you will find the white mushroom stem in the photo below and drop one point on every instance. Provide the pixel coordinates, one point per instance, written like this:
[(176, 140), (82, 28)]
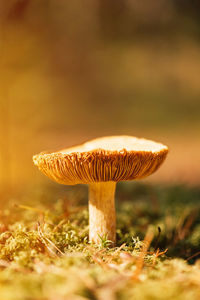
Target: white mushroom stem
[(102, 218)]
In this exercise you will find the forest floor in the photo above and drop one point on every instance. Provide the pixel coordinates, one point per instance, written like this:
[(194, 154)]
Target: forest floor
[(45, 253)]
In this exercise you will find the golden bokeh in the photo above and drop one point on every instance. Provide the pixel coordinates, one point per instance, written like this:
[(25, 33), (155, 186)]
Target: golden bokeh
[(71, 71)]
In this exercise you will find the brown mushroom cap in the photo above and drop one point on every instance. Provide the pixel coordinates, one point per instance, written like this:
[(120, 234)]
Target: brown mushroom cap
[(113, 158)]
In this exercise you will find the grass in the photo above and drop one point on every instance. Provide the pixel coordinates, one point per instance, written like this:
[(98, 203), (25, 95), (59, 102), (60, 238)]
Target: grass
[(45, 254)]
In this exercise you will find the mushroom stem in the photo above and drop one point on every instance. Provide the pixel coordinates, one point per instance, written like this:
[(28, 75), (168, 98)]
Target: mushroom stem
[(102, 218)]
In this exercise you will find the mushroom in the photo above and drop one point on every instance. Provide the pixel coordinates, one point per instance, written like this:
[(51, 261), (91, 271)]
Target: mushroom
[(101, 163)]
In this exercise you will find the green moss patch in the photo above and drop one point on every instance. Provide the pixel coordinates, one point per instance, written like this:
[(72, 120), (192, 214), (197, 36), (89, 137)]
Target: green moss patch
[(45, 253)]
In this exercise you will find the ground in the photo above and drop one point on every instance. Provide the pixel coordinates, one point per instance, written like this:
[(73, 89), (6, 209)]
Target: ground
[(45, 253)]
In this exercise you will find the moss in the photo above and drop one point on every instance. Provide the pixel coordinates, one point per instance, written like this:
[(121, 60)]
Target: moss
[(45, 254)]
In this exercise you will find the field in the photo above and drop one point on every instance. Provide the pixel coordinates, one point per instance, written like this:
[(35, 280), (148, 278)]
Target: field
[(45, 254)]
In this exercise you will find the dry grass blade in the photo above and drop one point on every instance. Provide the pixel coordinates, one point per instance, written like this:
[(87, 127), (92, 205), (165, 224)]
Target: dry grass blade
[(62, 222), (194, 255), (140, 260), (184, 225), (47, 240), (26, 207)]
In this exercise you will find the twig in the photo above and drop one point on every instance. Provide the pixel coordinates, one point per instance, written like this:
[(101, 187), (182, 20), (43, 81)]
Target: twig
[(194, 255)]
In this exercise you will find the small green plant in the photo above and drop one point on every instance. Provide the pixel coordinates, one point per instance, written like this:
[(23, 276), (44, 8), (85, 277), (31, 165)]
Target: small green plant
[(104, 242)]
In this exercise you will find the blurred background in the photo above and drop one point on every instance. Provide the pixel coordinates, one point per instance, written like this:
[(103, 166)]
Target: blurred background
[(76, 70)]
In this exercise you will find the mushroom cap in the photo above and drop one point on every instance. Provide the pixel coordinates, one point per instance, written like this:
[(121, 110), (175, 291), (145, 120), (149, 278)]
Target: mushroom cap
[(112, 158)]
